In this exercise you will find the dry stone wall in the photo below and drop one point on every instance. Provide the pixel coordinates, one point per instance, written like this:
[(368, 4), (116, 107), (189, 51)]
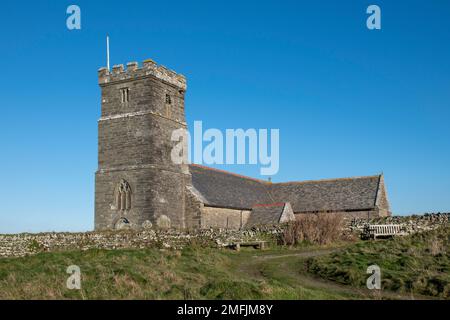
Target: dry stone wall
[(20, 245), (410, 224), (28, 244)]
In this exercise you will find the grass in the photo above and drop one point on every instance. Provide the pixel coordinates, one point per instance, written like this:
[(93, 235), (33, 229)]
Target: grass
[(155, 274), (417, 265)]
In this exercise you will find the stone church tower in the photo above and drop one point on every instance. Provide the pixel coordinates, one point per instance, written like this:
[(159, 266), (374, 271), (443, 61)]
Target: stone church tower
[(136, 183)]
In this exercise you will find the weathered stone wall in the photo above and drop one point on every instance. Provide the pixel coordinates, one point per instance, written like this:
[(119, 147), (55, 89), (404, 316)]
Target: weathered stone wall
[(224, 218), (360, 214), (350, 215), (411, 224), (193, 208), (134, 144), (29, 244), (382, 202), (288, 214)]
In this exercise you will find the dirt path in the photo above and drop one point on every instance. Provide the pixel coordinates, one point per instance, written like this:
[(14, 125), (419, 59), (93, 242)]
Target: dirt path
[(301, 276)]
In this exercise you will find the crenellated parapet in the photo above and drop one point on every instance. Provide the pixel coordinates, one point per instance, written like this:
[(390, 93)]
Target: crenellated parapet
[(133, 71)]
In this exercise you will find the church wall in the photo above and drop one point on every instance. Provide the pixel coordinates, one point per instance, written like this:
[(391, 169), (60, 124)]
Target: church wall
[(141, 107), (136, 140), (382, 202), (154, 193), (224, 218), (193, 209), (349, 215), (288, 214)]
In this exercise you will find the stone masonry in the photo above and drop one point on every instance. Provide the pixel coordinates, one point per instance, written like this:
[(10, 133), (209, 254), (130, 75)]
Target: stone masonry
[(137, 185), (136, 181)]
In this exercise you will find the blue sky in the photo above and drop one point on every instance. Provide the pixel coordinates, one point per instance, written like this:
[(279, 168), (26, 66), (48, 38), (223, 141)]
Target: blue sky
[(348, 101)]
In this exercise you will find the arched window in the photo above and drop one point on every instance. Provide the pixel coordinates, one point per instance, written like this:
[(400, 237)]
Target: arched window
[(123, 196)]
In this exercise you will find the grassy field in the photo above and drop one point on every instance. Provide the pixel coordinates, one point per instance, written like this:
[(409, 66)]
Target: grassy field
[(417, 264), (156, 274)]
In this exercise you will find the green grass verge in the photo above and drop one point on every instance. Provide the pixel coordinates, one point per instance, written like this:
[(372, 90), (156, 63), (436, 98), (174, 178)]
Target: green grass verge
[(155, 274), (417, 264)]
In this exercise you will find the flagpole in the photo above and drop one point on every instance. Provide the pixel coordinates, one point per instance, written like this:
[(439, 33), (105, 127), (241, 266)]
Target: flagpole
[(107, 52)]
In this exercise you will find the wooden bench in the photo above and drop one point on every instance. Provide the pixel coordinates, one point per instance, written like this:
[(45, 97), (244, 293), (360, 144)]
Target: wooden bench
[(375, 231), (257, 245)]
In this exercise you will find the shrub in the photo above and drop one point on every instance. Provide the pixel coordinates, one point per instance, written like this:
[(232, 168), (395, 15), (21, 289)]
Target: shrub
[(321, 228)]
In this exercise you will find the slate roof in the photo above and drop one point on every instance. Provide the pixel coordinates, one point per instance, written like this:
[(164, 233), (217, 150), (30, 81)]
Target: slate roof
[(266, 214), (348, 194), (228, 190)]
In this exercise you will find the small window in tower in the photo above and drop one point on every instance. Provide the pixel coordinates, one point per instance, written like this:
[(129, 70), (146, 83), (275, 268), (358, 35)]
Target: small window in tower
[(168, 111), (125, 95), (168, 99)]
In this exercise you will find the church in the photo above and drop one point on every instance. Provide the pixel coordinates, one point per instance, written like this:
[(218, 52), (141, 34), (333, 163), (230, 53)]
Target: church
[(137, 185)]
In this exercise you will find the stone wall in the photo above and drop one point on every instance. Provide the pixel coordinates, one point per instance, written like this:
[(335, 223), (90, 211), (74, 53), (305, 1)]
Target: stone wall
[(28, 244), (382, 203), (360, 215), (410, 224), (193, 208)]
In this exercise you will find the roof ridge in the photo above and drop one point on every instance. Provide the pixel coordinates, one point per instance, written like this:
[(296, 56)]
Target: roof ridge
[(282, 183), (230, 173), (328, 180)]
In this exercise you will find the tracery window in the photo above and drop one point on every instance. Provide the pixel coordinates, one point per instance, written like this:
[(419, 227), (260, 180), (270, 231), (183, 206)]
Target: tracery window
[(123, 196)]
